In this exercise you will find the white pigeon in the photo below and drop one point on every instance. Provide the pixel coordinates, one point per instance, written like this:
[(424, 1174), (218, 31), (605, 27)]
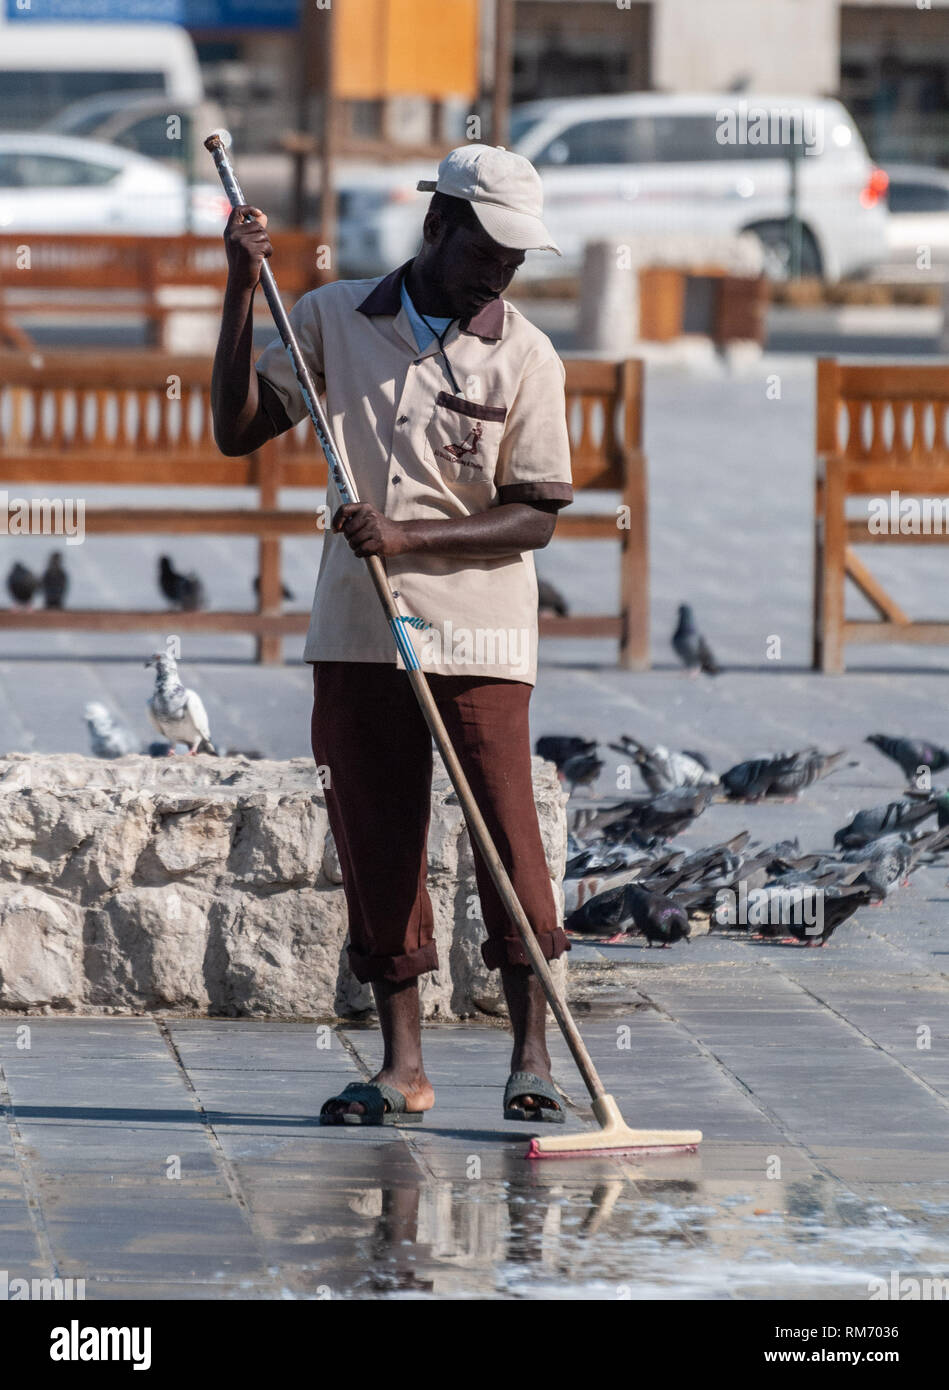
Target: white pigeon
[(109, 737), (177, 713)]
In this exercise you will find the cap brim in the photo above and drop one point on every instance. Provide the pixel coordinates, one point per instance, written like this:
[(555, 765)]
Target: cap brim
[(518, 231)]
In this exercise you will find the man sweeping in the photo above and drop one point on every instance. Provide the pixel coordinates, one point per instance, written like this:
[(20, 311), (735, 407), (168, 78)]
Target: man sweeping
[(448, 407)]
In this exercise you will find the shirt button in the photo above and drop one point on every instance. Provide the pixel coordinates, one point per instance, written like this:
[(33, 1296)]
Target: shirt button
[(402, 420), (396, 478), (417, 362)]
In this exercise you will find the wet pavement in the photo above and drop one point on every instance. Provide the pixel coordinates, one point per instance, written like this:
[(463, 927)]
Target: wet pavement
[(169, 1159)]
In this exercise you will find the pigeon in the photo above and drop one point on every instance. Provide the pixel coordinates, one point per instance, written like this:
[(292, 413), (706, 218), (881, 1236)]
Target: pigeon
[(178, 714), (22, 584), (603, 859), (663, 768), (627, 906), (881, 820), (581, 770), (550, 600), (892, 858), (910, 754), (108, 736), (557, 748), (691, 647), (185, 591), (55, 581), (285, 593), (838, 902), (785, 774), (666, 814)]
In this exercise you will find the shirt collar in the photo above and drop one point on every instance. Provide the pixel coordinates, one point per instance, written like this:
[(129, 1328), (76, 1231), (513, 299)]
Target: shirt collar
[(385, 297)]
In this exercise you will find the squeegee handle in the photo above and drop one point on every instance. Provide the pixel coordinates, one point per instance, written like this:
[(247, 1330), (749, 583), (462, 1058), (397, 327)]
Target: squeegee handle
[(346, 487)]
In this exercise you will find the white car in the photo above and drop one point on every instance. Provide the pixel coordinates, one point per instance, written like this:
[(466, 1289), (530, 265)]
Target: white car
[(52, 183), (622, 166), (918, 229)]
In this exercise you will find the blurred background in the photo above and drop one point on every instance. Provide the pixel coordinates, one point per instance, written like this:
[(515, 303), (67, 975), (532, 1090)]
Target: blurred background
[(618, 103), (738, 187)]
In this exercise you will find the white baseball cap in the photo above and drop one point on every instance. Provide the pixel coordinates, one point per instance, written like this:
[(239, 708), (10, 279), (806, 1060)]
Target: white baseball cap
[(505, 191)]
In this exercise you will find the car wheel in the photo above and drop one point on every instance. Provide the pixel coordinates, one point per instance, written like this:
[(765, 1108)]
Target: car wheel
[(776, 247)]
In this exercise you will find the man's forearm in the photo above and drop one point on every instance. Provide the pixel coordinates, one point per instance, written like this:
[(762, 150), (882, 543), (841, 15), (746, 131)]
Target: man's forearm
[(509, 529), (506, 530), (234, 394)]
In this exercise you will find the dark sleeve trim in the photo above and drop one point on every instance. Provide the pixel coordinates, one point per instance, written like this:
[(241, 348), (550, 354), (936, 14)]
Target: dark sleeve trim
[(536, 492), (272, 406), (472, 408)]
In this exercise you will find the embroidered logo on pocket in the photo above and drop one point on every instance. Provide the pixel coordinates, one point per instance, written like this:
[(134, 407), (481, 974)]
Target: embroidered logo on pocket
[(465, 450)]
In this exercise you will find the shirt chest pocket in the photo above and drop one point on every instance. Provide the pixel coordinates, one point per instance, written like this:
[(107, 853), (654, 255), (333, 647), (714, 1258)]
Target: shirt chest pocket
[(464, 438)]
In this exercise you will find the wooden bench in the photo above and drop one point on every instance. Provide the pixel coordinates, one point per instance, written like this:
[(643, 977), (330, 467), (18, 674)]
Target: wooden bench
[(72, 273), (83, 419), (880, 429), (605, 418)]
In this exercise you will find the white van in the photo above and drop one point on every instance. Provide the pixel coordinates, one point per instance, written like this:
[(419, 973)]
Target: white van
[(44, 67), (655, 164)]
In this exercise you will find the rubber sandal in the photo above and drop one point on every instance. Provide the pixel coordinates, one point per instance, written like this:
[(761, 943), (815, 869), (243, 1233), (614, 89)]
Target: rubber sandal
[(525, 1083), (375, 1096)]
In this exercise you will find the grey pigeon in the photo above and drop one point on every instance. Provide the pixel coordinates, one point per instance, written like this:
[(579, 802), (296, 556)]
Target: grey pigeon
[(581, 770), (838, 903), (55, 581), (177, 713), (185, 591), (550, 600), (690, 646), (910, 754), (664, 768), (603, 859), (882, 820), (783, 775), (109, 737), (666, 814), (22, 584)]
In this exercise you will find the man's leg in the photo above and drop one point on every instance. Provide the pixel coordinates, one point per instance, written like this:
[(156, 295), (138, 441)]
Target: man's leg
[(367, 729), (489, 726)]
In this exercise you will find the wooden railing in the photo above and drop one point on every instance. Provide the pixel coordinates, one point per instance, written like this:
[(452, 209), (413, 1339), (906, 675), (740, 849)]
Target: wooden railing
[(72, 273), (880, 430), (144, 419)]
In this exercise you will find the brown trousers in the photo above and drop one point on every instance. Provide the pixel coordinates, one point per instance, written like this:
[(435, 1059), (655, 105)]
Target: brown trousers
[(369, 731)]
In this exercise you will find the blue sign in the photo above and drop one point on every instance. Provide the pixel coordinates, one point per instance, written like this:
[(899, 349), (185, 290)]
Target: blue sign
[(191, 14)]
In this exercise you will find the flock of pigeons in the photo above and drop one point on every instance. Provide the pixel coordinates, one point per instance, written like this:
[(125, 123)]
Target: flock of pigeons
[(625, 877), (177, 713), (184, 592)]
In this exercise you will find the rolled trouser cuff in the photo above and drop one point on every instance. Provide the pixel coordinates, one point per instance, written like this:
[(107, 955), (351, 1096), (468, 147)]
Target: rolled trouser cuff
[(394, 969), (510, 951)]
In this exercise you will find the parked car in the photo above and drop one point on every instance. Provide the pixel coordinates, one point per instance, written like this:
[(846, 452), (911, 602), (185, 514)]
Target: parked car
[(46, 66), (156, 126), (622, 166), (58, 184), (918, 199)]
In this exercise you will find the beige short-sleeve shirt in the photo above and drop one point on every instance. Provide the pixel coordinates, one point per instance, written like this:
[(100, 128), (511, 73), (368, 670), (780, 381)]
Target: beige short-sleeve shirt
[(419, 450)]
